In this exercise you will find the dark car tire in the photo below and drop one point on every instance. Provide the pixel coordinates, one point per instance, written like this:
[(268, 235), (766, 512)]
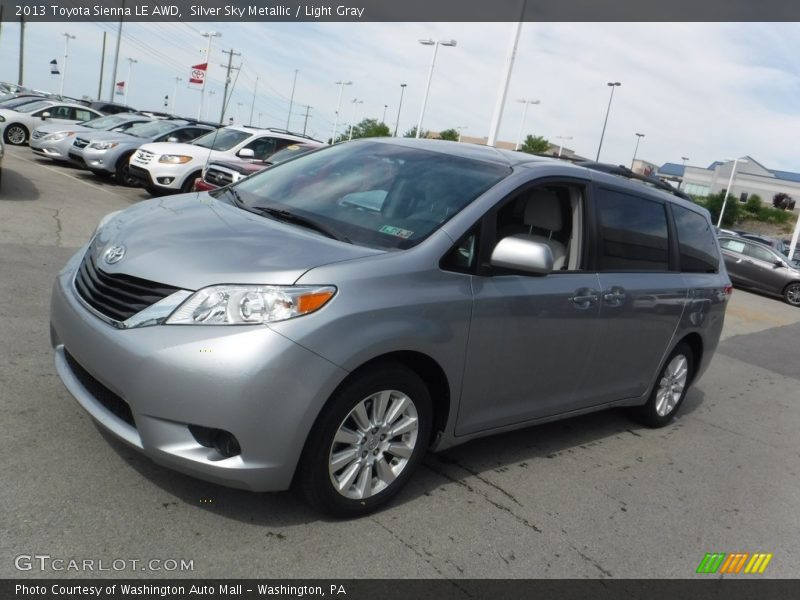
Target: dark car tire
[(16, 134), (391, 385), (791, 293), (122, 172), (669, 389), (189, 183)]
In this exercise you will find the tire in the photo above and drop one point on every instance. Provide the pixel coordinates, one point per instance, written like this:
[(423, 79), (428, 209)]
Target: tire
[(188, 184), (669, 389), (15, 134), (791, 293), (122, 174), (368, 463)]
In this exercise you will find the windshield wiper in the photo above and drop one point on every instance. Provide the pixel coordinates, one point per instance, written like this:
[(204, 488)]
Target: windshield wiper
[(237, 198), (290, 217)]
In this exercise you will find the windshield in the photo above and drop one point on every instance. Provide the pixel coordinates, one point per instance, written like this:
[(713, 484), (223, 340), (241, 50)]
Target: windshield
[(152, 129), (373, 194), (104, 123), (222, 139), (16, 102), (29, 108)]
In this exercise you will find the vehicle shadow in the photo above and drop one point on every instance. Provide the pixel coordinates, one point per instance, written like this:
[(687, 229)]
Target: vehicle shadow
[(16, 188), (452, 467)]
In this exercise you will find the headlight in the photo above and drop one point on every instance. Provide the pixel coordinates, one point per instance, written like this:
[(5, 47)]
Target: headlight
[(250, 304), (57, 137), (175, 159), (103, 145)]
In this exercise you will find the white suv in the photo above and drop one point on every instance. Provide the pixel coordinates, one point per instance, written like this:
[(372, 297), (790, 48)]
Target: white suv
[(169, 167)]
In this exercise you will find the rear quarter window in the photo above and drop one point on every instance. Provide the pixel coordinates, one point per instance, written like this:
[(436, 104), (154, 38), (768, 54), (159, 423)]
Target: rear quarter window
[(698, 251)]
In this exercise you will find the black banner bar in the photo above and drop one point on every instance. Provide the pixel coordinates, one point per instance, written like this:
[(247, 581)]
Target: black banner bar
[(415, 589), (402, 10)]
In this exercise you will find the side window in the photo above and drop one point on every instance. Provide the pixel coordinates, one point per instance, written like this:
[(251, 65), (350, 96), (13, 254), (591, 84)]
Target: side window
[(760, 253), (464, 255), (263, 147), (732, 245), (696, 241), (83, 115), (633, 233), (61, 112)]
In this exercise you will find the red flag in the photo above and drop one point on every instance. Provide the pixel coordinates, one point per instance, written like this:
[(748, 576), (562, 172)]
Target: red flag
[(120, 88), (198, 74)]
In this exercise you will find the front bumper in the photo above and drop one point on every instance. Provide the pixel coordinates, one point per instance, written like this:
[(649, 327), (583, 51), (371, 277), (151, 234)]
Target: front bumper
[(98, 160), (163, 176), (56, 150), (251, 381)]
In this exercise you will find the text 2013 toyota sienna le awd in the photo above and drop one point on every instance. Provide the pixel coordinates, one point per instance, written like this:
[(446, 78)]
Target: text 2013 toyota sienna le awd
[(327, 321)]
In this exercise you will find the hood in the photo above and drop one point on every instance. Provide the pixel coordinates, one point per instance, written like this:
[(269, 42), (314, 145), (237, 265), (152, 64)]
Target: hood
[(57, 127), (193, 240), (159, 148), (243, 167), (93, 135)]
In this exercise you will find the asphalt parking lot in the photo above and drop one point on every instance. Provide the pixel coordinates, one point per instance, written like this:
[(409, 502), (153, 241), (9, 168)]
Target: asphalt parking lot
[(596, 496)]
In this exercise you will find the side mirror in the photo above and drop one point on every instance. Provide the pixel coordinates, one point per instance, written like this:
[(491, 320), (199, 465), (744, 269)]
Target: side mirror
[(246, 153), (45, 115), (520, 253), (172, 139), (778, 264)]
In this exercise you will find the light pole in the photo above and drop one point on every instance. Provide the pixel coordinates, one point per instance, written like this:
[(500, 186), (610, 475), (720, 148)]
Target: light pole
[(728, 189), (210, 35), (435, 45), (355, 105), (639, 137), (131, 62), (208, 106), (461, 128), (684, 159), (67, 38), (385, 107), (612, 85), (399, 107), (175, 94), (525, 104), (341, 85), (561, 143)]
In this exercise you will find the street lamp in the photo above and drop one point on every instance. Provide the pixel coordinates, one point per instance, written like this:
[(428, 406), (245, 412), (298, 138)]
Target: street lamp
[(67, 38), (341, 85), (460, 129), (399, 107), (385, 107), (639, 137), (728, 189), (561, 144), (525, 103), (131, 62), (210, 35), (435, 45), (612, 85), (684, 159), (355, 105)]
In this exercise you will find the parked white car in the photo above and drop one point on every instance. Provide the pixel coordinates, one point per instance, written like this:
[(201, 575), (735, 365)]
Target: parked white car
[(167, 167), (16, 124)]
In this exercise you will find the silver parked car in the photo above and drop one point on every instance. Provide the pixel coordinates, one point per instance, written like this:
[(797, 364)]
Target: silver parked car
[(54, 141), (328, 320), (17, 124), (758, 266)]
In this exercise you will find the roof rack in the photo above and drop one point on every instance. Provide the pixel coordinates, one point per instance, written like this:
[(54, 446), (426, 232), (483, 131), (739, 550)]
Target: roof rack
[(624, 171)]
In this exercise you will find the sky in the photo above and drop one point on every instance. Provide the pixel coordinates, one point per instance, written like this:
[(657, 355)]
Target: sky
[(708, 91)]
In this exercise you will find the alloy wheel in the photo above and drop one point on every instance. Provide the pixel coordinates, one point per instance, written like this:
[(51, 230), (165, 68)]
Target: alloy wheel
[(793, 294), (671, 385), (16, 135)]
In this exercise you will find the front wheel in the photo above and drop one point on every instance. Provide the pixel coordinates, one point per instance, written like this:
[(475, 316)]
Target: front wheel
[(123, 172), (366, 442), (792, 293), (16, 134), (669, 390)]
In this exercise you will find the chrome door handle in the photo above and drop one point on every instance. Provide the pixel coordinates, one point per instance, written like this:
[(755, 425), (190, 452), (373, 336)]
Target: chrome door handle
[(584, 297), (615, 296)]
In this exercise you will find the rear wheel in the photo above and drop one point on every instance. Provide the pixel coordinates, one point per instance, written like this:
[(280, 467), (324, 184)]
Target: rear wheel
[(123, 172), (366, 442), (792, 293), (16, 134), (669, 390), (189, 183)]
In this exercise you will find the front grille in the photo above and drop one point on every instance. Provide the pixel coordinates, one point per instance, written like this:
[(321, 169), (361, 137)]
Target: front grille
[(113, 403), (143, 156), (80, 143), (116, 296), (217, 177)]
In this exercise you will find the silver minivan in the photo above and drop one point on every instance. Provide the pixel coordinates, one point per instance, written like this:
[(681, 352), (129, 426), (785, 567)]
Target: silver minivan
[(327, 321)]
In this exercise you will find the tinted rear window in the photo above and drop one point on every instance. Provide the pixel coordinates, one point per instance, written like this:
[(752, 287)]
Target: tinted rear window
[(633, 233), (696, 241)]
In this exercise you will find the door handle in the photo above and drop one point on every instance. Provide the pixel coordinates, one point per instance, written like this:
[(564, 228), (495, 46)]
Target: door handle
[(584, 297), (615, 296)]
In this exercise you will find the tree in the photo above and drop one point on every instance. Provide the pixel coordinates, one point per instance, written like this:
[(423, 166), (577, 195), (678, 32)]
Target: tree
[(732, 215), (364, 129), (534, 144), (449, 134), (412, 133), (783, 201)]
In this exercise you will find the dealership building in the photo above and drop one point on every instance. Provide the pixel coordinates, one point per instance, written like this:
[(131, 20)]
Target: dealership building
[(751, 177)]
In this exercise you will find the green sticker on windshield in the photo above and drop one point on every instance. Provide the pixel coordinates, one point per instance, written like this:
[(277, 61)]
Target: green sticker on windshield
[(396, 231)]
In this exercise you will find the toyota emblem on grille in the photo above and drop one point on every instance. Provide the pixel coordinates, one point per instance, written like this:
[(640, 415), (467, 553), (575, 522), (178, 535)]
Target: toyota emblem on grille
[(114, 254)]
